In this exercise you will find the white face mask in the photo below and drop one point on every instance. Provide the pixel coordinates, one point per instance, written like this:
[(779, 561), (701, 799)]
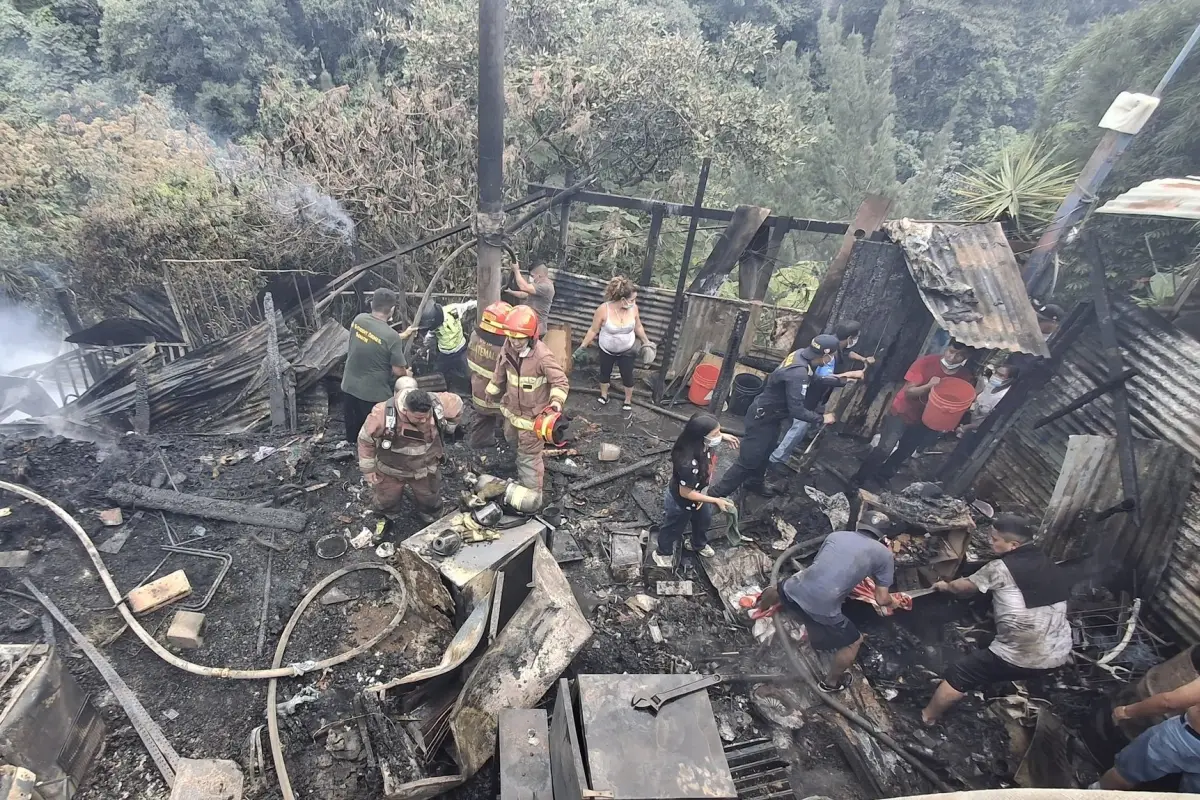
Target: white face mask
[(526, 350), (950, 366), (712, 441), (852, 341), (628, 305)]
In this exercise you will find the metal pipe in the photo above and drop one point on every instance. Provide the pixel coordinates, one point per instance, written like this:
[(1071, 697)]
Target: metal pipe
[(677, 308), (490, 220)]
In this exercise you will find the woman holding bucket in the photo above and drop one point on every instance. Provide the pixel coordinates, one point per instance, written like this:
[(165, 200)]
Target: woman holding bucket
[(617, 329), (693, 459), (922, 411)]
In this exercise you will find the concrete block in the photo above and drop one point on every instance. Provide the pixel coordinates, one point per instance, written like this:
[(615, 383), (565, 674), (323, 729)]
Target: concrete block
[(186, 630), (626, 553), (207, 779), (158, 593)]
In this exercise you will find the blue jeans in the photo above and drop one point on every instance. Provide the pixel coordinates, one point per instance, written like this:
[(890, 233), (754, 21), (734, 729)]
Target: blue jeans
[(676, 518), (793, 437), (1168, 748)]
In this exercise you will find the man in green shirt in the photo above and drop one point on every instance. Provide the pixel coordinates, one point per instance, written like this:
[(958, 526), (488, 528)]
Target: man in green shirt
[(374, 360)]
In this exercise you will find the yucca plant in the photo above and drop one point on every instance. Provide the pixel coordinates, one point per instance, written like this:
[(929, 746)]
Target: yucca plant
[(1025, 187)]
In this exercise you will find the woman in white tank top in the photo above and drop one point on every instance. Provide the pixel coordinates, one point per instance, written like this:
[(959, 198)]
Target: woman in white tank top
[(617, 329)]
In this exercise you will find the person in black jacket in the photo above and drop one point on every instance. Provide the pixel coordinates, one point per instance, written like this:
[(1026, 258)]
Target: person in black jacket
[(782, 399), (687, 501)]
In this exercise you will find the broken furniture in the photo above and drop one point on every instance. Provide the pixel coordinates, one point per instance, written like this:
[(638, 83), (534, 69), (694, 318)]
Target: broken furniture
[(620, 752), (933, 546), (473, 558), (48, 725)]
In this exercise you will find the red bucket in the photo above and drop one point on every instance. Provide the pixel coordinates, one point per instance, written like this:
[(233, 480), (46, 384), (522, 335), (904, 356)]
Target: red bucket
[(948, 401), (704, 378)]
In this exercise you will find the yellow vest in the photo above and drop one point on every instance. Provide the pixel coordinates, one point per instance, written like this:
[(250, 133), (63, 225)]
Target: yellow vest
[(450, 338)]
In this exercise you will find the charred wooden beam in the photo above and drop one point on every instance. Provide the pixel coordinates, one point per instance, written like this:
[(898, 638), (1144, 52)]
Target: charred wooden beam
[(656, 219), (746, 222), (128, 494), (1087, 397), (725, 377)]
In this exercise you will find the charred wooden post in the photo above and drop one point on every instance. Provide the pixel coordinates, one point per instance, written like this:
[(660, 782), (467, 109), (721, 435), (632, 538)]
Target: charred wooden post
[(656, 220), (489, 222), (746, 222), (564, 226), (1112, 356), (677, 308), (1087, 397), (278, 400), (141, 415), (729, 363), (757, 267), (128, 494), (66, 303)]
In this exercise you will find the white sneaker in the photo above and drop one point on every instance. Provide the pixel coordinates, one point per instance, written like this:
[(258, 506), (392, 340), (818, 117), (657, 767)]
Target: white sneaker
[(706, 551), (665, 562)]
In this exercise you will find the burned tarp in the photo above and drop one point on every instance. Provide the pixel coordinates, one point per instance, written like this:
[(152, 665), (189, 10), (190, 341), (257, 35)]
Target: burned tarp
[(970, 282)]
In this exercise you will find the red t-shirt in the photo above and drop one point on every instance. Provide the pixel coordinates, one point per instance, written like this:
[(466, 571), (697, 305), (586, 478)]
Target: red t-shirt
[(910, 409)]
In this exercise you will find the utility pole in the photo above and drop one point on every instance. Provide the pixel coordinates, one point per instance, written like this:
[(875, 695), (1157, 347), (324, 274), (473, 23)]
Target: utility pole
[(489, 222), (1083, 194)]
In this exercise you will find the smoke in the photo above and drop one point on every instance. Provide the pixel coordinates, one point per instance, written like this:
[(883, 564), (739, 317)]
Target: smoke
[(305, 203), (26, 340)]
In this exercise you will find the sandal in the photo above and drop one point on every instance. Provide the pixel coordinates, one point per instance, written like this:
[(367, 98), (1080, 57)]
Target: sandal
[(627, 409), (602, 401)]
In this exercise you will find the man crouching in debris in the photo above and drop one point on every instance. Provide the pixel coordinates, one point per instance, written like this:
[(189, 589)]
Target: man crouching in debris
[(816, 594), (1169, 748), (401, 445), (1029, 600), (532, 388)]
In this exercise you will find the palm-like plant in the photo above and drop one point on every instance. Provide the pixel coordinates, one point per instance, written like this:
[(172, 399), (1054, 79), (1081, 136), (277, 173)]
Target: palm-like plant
[(1025, 186)]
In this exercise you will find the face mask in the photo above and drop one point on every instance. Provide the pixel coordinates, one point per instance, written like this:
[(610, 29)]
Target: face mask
[(996, 382), (526, 350), (950, 366), (712, 441), (852, 342), (628, 306)]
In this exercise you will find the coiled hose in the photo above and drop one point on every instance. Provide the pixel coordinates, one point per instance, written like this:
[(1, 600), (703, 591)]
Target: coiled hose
[(291, 671), (789, 648)]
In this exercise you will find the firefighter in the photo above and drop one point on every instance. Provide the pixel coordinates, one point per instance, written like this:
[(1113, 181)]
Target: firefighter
[(401, 445), (482, 352), (532, 390), (443, 325)]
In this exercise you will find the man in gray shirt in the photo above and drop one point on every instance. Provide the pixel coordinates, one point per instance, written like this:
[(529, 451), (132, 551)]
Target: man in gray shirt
[(816, 594), (537, 293)]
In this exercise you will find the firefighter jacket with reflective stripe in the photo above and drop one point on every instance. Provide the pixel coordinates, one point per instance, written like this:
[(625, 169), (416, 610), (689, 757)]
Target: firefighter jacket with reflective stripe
[(482, 352), (450, 337), (525, 385), (392, 443)]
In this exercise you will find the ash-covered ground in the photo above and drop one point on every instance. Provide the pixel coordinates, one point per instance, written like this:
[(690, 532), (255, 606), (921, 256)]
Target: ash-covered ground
[(213, 718)]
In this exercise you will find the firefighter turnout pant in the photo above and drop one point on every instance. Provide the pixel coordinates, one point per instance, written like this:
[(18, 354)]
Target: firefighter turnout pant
[(388, 492), (483, 426), (531, 470)]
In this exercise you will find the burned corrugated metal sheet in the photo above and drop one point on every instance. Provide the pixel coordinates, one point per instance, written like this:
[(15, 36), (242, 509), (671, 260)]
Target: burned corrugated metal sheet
[(121, 331), (1178, 198), (970, 282), (1164, 404), (152, 304)]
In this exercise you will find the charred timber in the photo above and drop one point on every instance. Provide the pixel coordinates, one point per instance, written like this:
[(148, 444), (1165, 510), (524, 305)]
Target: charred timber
[(128, 494)]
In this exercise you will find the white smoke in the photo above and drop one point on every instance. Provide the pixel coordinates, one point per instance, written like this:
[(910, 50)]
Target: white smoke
[(26, 339), (305, 202)]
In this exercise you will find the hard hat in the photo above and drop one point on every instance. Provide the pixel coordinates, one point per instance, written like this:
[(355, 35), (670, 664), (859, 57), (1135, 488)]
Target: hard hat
[(492, 318), (431, 317), (825, 344), (521, 323), (551, 427), (875, 522), (404, 383)]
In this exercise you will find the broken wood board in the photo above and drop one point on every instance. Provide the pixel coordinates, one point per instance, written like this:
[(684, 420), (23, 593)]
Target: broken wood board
[(625, 557), (192, 505), (565, 547)]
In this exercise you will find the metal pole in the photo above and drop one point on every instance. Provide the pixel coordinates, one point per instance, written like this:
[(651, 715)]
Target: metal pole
[(677, 307), (490, 219), (1083, 193)]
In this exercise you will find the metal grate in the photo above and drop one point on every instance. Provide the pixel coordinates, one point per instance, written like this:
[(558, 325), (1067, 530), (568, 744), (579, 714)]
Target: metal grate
[(83, 743)]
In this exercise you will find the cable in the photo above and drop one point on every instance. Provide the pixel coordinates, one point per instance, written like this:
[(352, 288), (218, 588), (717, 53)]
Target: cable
[(789, 648), (285, 783), (174, 660)]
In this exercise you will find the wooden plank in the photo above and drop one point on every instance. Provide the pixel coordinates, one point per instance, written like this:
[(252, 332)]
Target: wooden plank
[(656, 219), (524, 745), (746, 222)]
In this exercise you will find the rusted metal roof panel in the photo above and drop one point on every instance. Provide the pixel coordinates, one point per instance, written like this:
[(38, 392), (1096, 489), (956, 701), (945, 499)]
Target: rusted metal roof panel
[(970, 282), (1164, 401), (1178, 198)]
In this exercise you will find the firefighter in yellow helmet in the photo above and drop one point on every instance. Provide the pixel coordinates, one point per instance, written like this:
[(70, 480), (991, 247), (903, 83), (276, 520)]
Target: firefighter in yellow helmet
[(487, 340), (401, 444), (527, 381)]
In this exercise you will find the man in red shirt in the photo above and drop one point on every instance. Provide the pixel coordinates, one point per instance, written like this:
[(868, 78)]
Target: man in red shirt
[(902, 428)]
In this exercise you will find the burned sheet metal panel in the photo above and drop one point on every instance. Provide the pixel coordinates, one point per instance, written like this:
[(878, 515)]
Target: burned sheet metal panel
[(1090, 483), (628, 749), (525, 755), (523, 662), (970, 282), (880, 295), (473, 557), (1177, 198), (576, 298), (1164, 404)]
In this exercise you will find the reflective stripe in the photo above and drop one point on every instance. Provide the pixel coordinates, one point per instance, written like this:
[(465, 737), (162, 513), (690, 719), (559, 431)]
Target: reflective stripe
[(413, 450), (483, 372), (518, 422), (416, 474), (558, 394), (488, 404), (492, 388), (367, 464), (526, 384)]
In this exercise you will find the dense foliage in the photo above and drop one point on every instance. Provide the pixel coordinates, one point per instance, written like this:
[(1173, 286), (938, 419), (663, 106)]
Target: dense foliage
[(303, 133)]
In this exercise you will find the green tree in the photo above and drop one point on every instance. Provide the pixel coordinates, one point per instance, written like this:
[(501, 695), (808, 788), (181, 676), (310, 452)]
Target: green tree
[(213, 55), (47, 50)]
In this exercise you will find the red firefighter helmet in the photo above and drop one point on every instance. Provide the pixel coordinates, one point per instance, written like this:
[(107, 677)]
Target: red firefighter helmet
[(492, 318), (551, 427), (521, 323)]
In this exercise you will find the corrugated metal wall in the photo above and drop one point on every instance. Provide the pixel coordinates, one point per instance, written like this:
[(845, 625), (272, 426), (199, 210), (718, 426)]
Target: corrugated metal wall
[(1164, 404)]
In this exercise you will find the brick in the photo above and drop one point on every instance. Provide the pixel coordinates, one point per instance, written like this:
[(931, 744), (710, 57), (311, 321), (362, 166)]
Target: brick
[(185, 630), (159, 593)]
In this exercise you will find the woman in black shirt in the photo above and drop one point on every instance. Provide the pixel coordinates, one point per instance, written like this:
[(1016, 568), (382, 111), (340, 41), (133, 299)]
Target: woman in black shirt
[(692, 461)]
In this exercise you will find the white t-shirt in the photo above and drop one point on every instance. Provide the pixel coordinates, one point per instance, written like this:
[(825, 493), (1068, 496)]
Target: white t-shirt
[(1034, 638)]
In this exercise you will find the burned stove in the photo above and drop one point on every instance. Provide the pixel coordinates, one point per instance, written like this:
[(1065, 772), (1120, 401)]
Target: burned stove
[(48, 726)]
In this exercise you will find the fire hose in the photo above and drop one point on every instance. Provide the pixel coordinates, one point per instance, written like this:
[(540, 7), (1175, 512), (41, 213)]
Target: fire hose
[(291, 671), (789, 648)]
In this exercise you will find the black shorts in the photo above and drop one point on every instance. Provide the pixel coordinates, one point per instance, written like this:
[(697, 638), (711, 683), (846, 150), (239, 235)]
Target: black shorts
[(822, 636), (624, 362), (983, 667)]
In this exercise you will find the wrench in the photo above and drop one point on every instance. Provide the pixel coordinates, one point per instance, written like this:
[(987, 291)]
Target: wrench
[(654, 703)]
